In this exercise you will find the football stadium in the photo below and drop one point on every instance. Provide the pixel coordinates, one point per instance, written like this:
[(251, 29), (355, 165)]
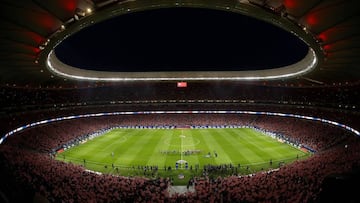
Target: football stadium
[(179, 101)]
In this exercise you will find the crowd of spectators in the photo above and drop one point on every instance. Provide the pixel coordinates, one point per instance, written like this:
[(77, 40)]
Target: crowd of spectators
[(26, 166), (20, 106), (317, 136), (26, 157), (14, 120), (26, 97), (314, 134), (59, 181), (298, 182)]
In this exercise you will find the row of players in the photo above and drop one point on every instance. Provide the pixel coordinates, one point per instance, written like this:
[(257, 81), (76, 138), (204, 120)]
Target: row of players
[(185, 152)]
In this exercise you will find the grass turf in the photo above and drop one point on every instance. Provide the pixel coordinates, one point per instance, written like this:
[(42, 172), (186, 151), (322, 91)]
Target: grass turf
[(127, 151)]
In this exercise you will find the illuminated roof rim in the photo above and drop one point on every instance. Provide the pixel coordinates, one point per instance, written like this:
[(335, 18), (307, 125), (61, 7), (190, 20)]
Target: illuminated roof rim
[(70, 72), (307, 64)]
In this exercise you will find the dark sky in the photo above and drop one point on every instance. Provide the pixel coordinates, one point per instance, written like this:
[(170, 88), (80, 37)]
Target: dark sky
[(181, 39)]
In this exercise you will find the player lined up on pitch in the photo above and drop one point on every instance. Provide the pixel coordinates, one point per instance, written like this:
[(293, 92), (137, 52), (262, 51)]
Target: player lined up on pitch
[(185, 152)]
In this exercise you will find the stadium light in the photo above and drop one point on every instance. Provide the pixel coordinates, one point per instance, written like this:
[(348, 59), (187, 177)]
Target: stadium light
[(88, 10), (304, 66)]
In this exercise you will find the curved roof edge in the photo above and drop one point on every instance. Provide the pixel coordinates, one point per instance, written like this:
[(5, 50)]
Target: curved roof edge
[(312, 60)]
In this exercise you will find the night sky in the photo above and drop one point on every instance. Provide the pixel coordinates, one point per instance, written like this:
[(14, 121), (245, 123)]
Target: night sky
[(181, 39)]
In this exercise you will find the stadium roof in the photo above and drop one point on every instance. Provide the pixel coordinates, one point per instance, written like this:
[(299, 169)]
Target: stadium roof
[(31, 28)]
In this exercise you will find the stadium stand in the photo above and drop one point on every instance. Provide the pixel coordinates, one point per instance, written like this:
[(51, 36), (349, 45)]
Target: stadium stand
[(26, 157), (35, 88)]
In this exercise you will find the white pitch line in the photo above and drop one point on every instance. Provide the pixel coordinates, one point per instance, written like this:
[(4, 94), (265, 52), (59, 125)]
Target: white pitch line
[(181, 148)]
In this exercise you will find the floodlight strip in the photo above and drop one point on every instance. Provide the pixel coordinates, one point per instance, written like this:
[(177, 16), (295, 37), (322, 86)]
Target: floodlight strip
[(59, 68), (39, 123)]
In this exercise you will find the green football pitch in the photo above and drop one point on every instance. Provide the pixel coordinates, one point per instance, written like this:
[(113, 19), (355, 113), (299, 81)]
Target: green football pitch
[(128, 151)]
